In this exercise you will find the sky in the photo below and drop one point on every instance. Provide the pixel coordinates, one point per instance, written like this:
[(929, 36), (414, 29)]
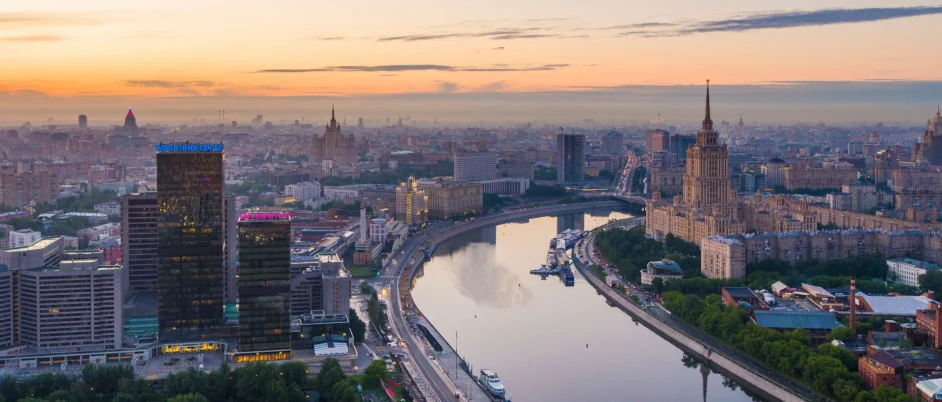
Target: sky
[(468, 61)]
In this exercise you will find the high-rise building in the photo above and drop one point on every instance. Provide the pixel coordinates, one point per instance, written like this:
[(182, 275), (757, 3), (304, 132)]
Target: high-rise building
[(929, 151), (230, 248), (658, 140), (679, 145), (614, 143), (130, 123), (24, 188), (707, 181), (6, 307), (139, 241), (323, 287), (68, 309), (570, 158), (475, 166), (83, 121), (334, 145), (411, 203), (189, 241), (264, 282)]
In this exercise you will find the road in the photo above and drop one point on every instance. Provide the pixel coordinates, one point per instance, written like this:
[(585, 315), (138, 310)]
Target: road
[(585, 250), (442, 388)]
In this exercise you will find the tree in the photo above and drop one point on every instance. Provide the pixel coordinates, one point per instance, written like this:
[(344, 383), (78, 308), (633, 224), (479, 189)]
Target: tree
[(841, 334), (343, 391), (186, 382), (294, 373), (251, 385), (188, 398), (658, 285), (357, 326), (330, 374), (137, 391), (931, 280), (374, 373), (104, 380)]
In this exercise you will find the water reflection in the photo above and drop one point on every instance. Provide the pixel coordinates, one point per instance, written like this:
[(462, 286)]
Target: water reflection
[(549, 342)]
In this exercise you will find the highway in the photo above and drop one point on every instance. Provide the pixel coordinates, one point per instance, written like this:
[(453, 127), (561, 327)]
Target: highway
[(585, 250), (442, 388)]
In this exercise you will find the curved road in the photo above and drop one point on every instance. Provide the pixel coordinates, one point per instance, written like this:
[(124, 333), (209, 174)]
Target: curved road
[(443, 388)]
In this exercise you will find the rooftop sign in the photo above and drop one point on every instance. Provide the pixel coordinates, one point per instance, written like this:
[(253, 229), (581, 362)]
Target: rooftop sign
[(264, 216), (188, 147)]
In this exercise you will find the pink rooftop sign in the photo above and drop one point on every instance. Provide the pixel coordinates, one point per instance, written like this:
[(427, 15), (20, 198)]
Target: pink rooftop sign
[(264, 216)]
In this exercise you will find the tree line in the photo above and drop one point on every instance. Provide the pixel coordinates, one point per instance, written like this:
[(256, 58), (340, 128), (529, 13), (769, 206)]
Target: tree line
[(255, 382), (827, 368)]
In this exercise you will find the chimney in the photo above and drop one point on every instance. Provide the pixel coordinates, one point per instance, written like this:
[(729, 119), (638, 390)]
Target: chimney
[(891, 326), (853, 304), (931, 295)]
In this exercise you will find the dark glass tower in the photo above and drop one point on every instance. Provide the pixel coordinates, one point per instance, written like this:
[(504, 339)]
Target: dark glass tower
[(189, 242), (264, 282)]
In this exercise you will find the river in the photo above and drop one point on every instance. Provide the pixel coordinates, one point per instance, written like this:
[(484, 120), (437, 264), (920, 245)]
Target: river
[(546, 341)]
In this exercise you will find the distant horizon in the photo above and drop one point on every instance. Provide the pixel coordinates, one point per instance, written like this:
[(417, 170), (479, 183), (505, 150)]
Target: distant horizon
[(891, 102)]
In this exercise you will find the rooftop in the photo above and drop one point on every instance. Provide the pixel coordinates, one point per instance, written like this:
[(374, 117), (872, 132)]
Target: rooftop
[(666, 265), (740, 292), (916, 263), (898, 305), (38, 245), (796, 319), (816, 291)]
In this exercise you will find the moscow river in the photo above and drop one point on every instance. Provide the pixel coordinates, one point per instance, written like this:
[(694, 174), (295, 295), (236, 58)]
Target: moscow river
[(546, 341)]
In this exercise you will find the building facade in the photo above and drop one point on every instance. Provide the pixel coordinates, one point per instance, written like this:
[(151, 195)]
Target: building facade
[(447, 200), (516, 169), (23, 238), (264, 282), (475, 166), (505, 186), (929, 151), (306, 191), (334, 145), (139, 241), (907, 271), (20, 189), (667, 182), (71, 309), (6, 307), (570, 158), (189, 244), (411, 203), (815, 178), (914, 181)]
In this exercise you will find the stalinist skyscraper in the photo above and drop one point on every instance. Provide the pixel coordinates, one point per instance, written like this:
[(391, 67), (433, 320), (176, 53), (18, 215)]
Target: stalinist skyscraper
[(707, 181), (334, 145)]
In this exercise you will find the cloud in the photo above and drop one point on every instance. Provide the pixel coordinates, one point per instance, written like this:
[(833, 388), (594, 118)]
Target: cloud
[(329, 38), (416, 67), (497, 48), (535, 32), (14, 19), (776, 20), (446, 87), (492, 87), (169, 84), (32, 38)]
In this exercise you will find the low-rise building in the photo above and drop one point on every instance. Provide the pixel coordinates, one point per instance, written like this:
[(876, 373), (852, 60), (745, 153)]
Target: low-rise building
[(23, 238), (505, 186), (665, 269), (907, 271), (880, 369), (108, 208), (815, 178), (741, 297), (306, 191)]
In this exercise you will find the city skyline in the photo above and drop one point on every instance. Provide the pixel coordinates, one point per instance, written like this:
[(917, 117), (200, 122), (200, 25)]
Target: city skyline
[(604, 60)]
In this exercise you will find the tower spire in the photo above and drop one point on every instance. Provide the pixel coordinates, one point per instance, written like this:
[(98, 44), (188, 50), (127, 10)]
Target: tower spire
[(707, 122)]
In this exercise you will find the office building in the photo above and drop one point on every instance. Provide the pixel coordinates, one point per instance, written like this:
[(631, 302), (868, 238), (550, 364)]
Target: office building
[(264, 282), (24, 188), (506, 186), (230, 249), (334, 145), (71, 308), (570, 158), (411, 204), (139, 241), (516, 169), (658, 140), (6, 307), (45, 252), (707, 181), (324, 286), (475, 166), (23, 238), (679, 145), (447, 200), (189, 241), (83, 121), (614, 143), (305, 191)]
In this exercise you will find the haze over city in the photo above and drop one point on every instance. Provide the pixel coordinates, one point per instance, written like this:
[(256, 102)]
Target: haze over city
[(486, 62)]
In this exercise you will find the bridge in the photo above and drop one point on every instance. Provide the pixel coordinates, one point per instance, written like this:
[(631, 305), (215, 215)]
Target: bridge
[(633, 199)]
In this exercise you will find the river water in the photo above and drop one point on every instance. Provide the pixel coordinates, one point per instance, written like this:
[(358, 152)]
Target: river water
[(546, 341)]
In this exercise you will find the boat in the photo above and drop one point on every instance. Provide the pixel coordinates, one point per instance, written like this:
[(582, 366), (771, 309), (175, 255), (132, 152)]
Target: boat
[(491, 383)]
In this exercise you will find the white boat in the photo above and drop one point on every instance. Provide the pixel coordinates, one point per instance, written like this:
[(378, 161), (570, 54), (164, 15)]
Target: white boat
[(491, 383)]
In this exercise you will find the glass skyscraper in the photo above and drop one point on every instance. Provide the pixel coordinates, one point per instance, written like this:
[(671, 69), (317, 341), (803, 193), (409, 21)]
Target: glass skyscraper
[(264, 268), (190, 242)]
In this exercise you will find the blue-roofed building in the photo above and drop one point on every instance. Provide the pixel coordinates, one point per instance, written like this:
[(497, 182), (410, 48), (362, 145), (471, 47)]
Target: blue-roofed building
[(665, 269), (817, 323)]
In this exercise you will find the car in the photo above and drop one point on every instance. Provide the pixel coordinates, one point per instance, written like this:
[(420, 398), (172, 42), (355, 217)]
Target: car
[(201, 368)]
